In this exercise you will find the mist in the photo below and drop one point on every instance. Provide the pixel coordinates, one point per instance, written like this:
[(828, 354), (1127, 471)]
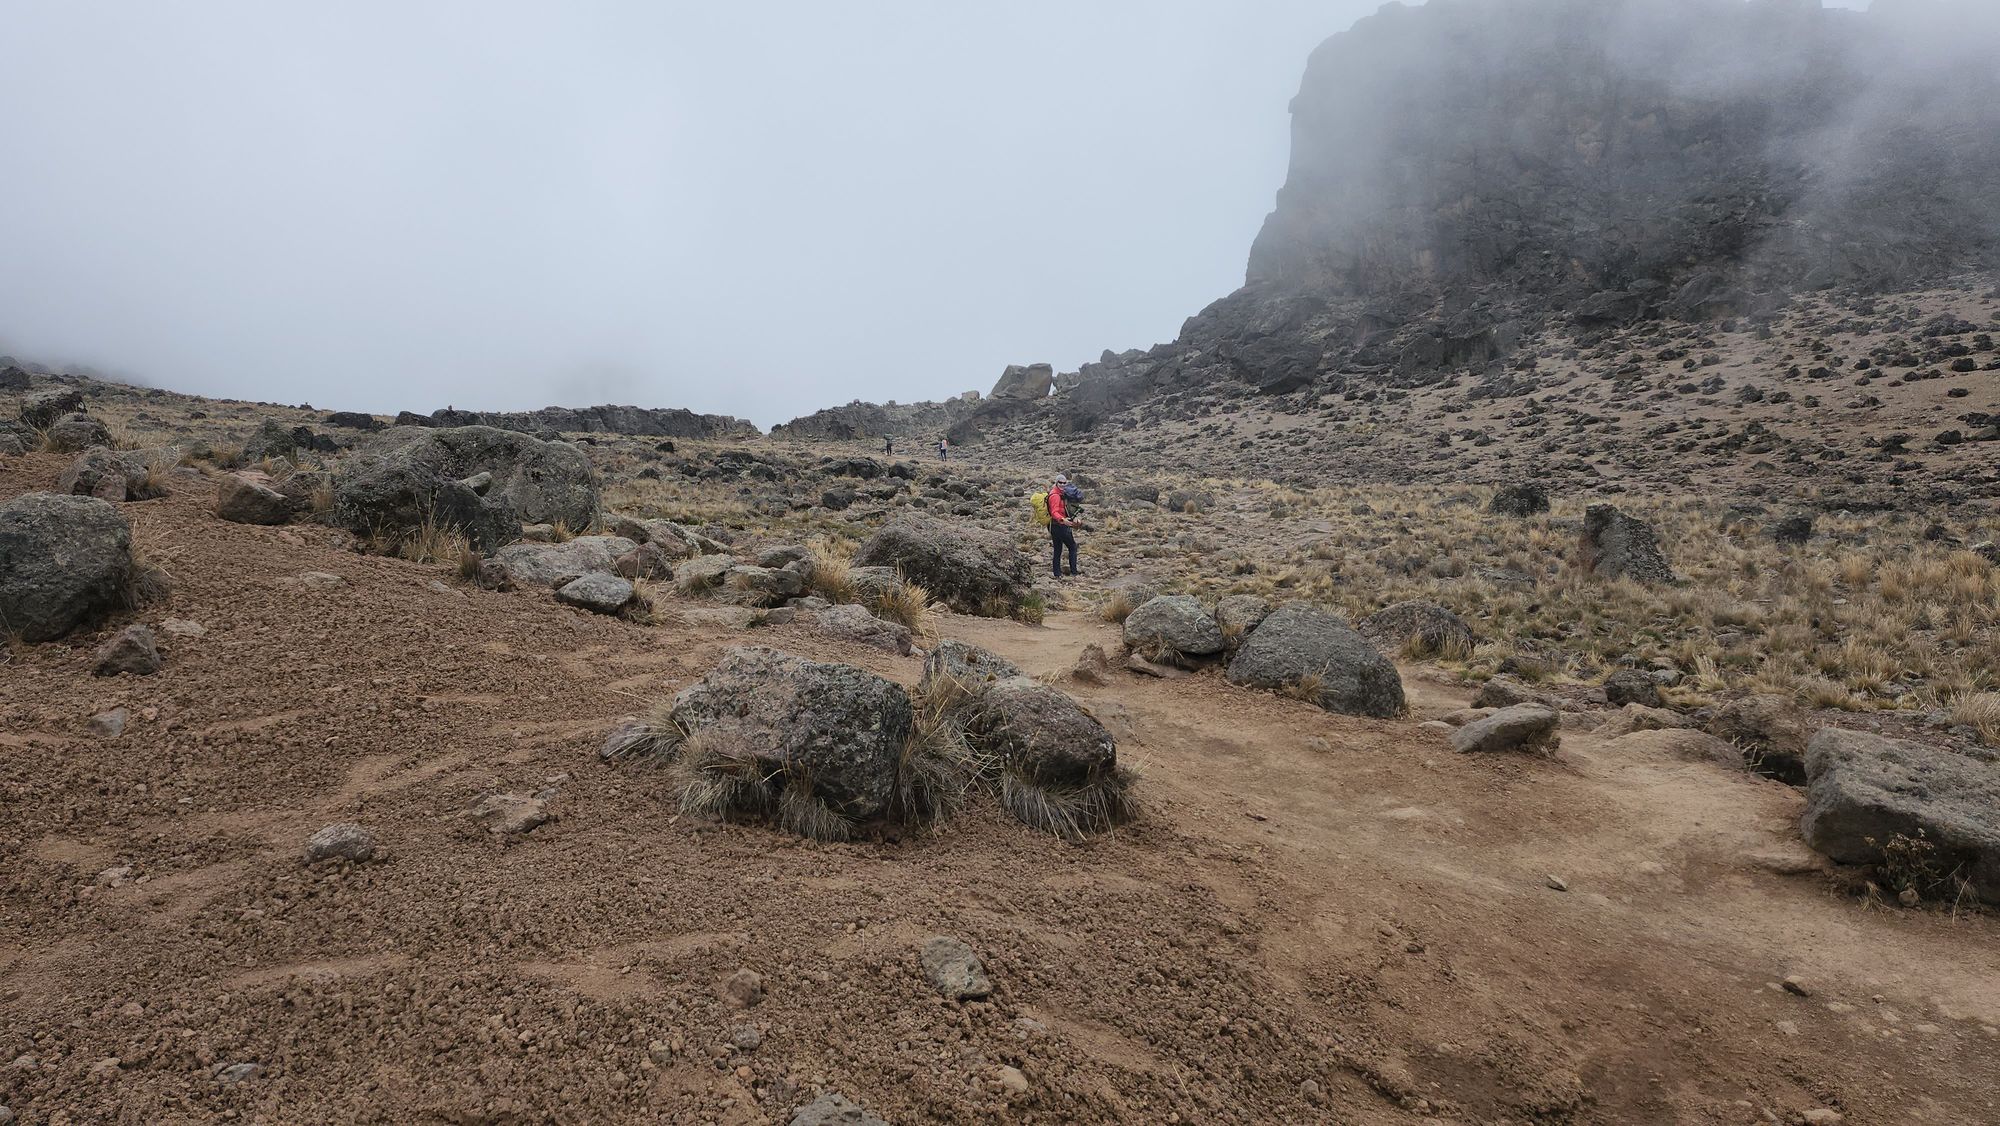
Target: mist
[(747, 209)]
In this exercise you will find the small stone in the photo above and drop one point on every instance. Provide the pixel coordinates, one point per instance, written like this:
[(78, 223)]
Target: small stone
[(109, 725), (1309, 1090), (1556, 882), (233, 1073), (954, 970), (131, 651), (509, 814), (1013, 1080), (112, 877), (744, 988), (1908, 897), (321, 580), (1796, 986), (1822, 1116), (833, 1109), (106, 1068), (340, 842), (182, 627), (1788, 1028), (746, 1039)]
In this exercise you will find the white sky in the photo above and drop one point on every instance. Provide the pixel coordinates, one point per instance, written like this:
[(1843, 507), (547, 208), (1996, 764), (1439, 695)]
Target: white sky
[(752, 208)]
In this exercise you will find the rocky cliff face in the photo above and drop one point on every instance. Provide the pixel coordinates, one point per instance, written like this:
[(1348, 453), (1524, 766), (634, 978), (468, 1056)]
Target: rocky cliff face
[(1470, 172), (657, 422)]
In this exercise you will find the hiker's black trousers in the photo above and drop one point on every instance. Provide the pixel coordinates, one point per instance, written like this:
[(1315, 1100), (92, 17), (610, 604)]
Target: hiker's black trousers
[(1061, 536)]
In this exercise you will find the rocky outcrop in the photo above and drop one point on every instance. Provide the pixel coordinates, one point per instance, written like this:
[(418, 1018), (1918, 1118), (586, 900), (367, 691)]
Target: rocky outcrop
[(1027, 382), (650, 422), (925, 422), (65, 562), (483, 481)]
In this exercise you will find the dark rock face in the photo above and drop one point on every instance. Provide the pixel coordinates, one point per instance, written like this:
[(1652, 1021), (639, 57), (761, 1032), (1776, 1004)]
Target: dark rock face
[(1302, 650), (1771, 733), (65, 561), (973, 570), (1619, 546), (1864, 791), (924, 421), (133, 652), (74, 432), (407, 475), (1591, 147), (354, 420), (127, 470), (836, 728), (653, 422), (1630, 686)]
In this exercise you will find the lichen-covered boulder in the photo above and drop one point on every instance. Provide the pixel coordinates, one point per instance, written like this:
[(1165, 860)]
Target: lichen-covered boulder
[(131, 472), (1428, 628), (482, 481), (241, 500), (74, 432), (835, 729), (1865, 793), (65, 561), (1302, 650), (41, 409), (1616, 546), (1173, 625), (972, 570)]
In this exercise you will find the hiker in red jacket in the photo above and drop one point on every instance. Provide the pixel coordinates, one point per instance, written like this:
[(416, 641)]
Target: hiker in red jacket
[(1061, 532)]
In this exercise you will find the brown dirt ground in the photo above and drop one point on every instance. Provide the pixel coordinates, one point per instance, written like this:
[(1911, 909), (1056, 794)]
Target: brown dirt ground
[(1319, 919)]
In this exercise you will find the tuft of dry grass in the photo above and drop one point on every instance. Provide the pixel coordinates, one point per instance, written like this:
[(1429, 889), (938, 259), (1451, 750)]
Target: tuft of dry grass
[(832, 572), (1117, 608), (907, 604), (1981, 712), (1073, 811)]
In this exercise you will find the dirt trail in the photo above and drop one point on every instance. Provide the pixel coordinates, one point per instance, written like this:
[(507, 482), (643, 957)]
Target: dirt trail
[(1318, 920)]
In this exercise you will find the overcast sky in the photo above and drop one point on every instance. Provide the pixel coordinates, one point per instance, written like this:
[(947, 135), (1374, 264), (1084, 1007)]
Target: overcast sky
[(758, 209)]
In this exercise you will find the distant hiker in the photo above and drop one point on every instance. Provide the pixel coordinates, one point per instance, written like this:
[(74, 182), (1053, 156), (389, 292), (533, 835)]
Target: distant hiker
[(1061, 531), (944, 449), (888, 446)]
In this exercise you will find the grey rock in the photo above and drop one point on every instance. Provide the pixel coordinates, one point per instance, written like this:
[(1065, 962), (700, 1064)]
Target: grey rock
[(65, 561), (109, 725), (1295, 643), (133, 651), (599, 593), (41, 409), (231, 1074), (74, 432), (1040, 732), (341, 842), (1430, 628), (704, 572), (836, 729), (1619, 546), (1239, 614), (509, 815), (954, 970), (972, 570), (1174, 624), (647, 561), (406, 475), (834, 1110), (1631, 686), (131, 469), (1505, 692), (1519, 500), (1771, 732), (963, 670), (852, 623), (1863, 791), (1029, 382), (240, 500), (1517, 728), (765, 586), (559, 564)]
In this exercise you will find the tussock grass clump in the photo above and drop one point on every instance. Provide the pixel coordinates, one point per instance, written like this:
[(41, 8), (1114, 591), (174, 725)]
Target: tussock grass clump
[(941, 769), (145, 585), (1117, 608), (907, 604), (1981, 712), (1072, 811), (654, 737), (832, 572)]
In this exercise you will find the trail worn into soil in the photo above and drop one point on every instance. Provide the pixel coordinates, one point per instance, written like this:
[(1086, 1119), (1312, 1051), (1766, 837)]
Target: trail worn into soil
[(1319, 919)]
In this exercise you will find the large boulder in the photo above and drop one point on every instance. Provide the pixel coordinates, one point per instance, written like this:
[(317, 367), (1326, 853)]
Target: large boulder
[(972, 570), (1771, 732), (240, 500), (1519, 500), (853, 623), (1519, 728), (41, 409), (770, 719), (1616, 546), (482, 481), (75, 432), (558, 564), (1027, 382), (1173, 625), (597, 592), (65, 561), (115, 475), (1426, 626), (1305, 651), (1866, 795), (1040, 732)]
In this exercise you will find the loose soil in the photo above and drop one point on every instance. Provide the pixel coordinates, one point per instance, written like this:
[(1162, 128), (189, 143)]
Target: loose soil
[(1318, 919)]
